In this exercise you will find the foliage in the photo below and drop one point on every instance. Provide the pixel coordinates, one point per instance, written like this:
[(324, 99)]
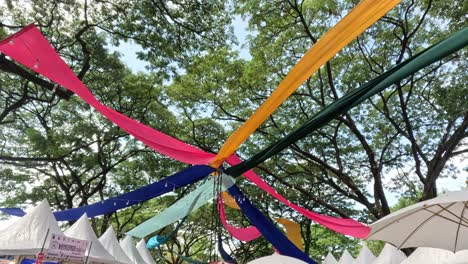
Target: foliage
[(198, 89)]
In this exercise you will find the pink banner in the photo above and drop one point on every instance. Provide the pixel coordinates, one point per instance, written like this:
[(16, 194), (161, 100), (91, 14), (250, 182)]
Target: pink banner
[(344, 226), (241, 233), (30, 48)]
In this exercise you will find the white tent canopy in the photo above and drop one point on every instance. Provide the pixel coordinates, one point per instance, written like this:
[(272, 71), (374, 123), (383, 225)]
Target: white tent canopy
[(131, 251), (346, 258), (461, 257), (26, 235), (111, 244), (365, 256), (82, 229), (390, 255), (429, 256), (276, 259), (330, 259), (144, 252)]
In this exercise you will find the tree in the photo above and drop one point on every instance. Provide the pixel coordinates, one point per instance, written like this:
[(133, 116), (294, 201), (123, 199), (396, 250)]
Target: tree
[(199, 90), (53, 145), (400, 141)]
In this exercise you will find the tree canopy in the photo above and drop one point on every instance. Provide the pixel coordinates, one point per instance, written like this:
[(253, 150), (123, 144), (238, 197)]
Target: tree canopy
[(198, 88)]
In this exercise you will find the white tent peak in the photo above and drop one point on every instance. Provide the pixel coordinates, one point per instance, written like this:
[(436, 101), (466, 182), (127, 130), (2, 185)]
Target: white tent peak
[(131, 251), (26, 235), (144, 252), (330, 259), (346, 258), (390, 255), (365, 256), (82, 229), (111, 244)]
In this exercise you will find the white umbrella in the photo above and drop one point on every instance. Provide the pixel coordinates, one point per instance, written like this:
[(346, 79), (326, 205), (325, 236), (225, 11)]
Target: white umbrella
[(390, 255), (441, 222), (330, 259), (276, 259), (365, 256), (346, 258), (429, 256)]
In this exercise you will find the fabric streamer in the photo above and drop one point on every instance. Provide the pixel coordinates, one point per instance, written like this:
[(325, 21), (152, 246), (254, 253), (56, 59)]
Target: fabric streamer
[(241, 233), (345, 226), (293, 231), (145, 193), (30, 37), (30, 48), (226, 257), (229, 201), (397, 73), (13, 211), (157, 241), (366, 13), (181, 208), (168, 184), (267, 228)]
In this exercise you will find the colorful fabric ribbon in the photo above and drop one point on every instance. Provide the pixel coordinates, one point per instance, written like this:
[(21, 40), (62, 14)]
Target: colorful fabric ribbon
[(179, 209), (352, 25), (229, 201), (13, 211), (30, 48), (341, 225), (267, 228), (397, 73), (145, 193), (293, 231), (157, 241), (33, 50), (241, 233)]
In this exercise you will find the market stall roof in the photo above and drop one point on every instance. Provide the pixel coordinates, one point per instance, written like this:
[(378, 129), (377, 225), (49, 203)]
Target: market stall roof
[(131, 251), (111, 244), (390, 255), (82, 229), (144, 252), (26, 235), (346, 258), (365, 256), (330, 259)]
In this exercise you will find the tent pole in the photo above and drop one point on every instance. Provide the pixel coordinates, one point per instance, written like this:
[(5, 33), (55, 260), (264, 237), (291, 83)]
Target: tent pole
[(45, 239), (89, 252)]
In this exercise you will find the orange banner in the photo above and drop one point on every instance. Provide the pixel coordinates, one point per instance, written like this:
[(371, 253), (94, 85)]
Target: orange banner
[(347, 29)]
